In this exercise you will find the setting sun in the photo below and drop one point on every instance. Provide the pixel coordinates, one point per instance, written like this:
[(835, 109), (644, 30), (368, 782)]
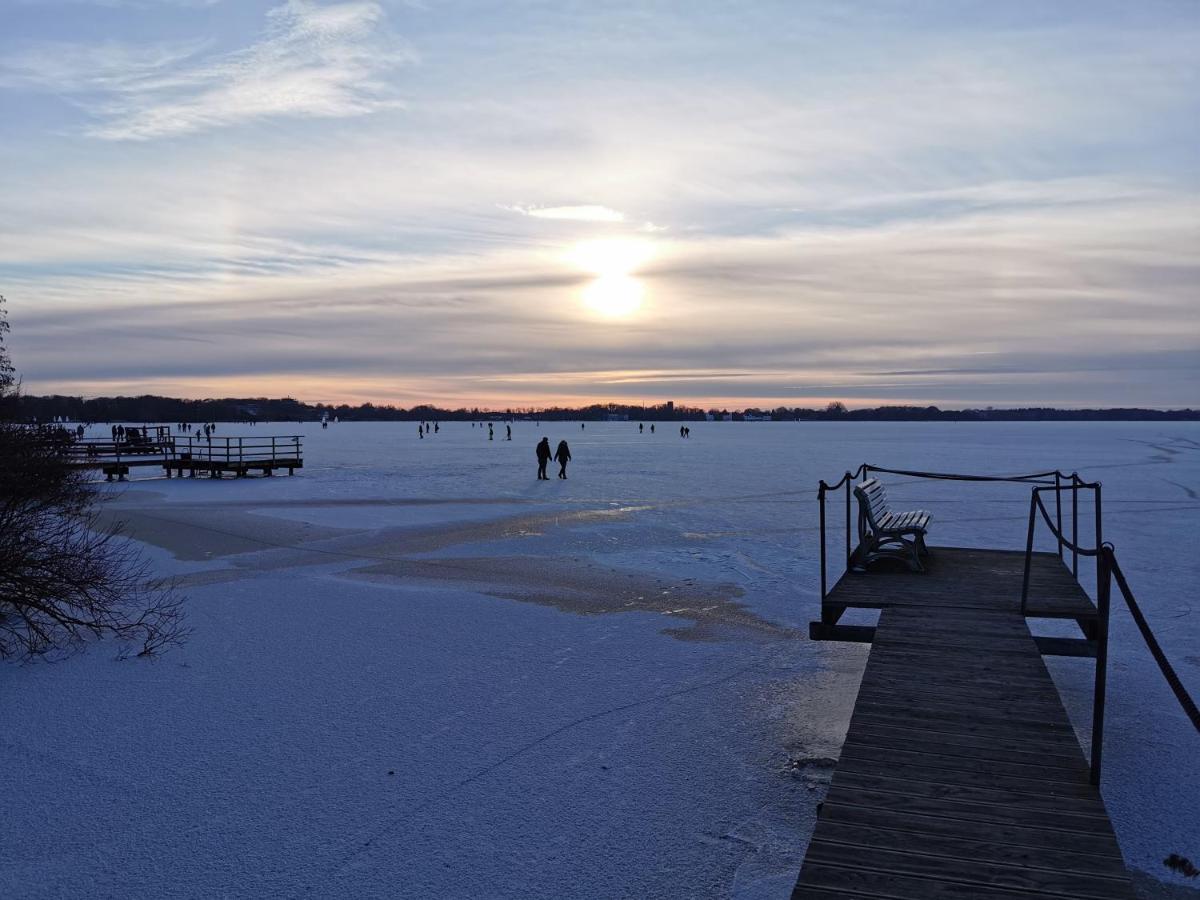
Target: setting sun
[(614, 292), (614, 295)]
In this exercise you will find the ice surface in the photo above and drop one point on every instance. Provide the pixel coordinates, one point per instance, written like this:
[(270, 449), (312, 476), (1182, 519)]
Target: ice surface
[(593, 688)]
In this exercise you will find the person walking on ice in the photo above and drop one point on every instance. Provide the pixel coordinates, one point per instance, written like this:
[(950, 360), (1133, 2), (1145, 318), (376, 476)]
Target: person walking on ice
[(562, 456), (509, 429), (543, 458)]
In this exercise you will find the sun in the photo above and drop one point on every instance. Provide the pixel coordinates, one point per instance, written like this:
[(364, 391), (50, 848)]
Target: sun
[(615, 292), (614, 295)]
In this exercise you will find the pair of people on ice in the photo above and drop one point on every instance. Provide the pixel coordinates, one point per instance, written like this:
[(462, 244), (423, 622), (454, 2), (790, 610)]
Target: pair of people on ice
[(562, 456)]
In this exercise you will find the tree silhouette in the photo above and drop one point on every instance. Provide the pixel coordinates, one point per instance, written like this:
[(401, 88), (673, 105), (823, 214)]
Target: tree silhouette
[(63, 578)]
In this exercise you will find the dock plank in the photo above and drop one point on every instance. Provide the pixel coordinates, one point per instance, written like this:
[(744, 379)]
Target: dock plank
[(961, 774)]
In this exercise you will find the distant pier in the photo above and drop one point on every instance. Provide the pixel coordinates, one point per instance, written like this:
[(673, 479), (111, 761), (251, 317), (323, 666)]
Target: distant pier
[(156, 447)]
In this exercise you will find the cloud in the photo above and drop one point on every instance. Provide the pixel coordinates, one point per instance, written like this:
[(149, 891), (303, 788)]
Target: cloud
[(312, 62), (581, 213)]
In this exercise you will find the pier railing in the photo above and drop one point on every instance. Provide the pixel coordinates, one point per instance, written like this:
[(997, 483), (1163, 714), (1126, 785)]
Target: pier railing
[(238, 450), (1108, 571), (848, 480), (145, 445)]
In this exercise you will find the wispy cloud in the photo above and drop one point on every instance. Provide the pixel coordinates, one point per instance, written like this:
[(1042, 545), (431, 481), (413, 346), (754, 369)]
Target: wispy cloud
[(312, 61), (581, 213)]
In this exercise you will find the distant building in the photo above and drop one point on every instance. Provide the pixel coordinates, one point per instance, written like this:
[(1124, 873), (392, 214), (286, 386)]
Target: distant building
[(616, 417)]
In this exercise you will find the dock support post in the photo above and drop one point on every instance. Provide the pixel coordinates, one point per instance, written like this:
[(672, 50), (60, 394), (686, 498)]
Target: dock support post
[(849, 478), (1058, 510), (1103, 603), (1028, 549), (1075, 482), (821, 507)]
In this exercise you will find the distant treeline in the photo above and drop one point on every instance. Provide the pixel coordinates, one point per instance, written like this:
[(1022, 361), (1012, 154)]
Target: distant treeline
[(169, 409)]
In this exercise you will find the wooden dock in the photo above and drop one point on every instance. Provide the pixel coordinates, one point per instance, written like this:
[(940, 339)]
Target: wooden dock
[(961, 775), (212, 456)]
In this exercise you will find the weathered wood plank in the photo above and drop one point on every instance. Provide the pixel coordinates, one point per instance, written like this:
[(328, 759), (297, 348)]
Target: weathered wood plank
[(873, 837), (913, 861)]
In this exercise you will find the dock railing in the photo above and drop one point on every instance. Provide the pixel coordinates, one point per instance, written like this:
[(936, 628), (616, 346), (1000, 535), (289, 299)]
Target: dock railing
[(1108, 570), (239, 452), (848, 480), (144, 445)]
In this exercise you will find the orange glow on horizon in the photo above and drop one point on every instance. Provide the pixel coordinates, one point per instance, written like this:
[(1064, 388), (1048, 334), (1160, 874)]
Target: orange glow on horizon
[(398, 393)]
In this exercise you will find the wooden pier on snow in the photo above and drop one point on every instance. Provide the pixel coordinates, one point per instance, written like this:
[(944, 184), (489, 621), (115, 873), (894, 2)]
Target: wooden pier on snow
[(213, 456), (961, 775)]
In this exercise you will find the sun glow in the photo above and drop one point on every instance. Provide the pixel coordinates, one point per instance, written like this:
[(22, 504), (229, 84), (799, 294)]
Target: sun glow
[(614, 292)]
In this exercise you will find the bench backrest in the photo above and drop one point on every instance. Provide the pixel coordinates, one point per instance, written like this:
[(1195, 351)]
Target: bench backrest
[(872, 503)]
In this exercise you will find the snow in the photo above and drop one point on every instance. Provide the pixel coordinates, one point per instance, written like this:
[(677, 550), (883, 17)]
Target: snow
[(599, 687)]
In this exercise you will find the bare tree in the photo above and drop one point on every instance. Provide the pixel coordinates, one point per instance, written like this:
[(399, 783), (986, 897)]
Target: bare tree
[(63, 578)]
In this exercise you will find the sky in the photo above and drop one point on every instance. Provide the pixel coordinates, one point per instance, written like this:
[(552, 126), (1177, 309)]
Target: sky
[(517, 204)]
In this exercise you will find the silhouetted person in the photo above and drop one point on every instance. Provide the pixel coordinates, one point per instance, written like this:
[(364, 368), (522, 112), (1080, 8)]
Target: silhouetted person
[(583, 424), (421, 431), (509, 429), (543, 458), (114, 433), (641, 427), (652, 428), (436, 427), (491, 434), (562, 456)]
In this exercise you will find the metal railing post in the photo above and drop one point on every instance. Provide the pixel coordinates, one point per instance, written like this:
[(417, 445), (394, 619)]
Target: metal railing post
[(1058, 510), (821, 506), (1075, 482), (1103, 604), (849, 478), (1028, 549)]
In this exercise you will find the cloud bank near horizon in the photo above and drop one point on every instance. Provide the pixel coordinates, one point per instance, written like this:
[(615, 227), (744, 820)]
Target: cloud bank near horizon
[(380, 201)]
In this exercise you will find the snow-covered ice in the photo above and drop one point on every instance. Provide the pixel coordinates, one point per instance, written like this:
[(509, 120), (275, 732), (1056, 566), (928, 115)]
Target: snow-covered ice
[(416, 671)]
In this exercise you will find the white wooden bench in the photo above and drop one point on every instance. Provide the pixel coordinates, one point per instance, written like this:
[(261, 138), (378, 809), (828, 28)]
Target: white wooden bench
[(883, 534)]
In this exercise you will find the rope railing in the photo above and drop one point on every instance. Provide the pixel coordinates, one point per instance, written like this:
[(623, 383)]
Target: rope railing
[(1107, 570), (865, 469), (1164, 665)]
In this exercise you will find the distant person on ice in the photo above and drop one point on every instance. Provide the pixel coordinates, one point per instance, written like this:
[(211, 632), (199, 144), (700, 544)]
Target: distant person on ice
[(509, 427), (562, 456), (543, 458)]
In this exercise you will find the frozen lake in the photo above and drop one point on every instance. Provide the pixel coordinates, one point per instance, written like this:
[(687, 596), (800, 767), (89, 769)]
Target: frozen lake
[(416, 671)]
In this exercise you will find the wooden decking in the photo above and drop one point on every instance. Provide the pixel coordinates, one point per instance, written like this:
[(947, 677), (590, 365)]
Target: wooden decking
[(961, 775), (965, 579)]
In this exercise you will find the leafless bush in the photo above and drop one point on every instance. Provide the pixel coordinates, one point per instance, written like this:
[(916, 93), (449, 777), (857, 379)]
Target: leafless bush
[(63, 579)]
